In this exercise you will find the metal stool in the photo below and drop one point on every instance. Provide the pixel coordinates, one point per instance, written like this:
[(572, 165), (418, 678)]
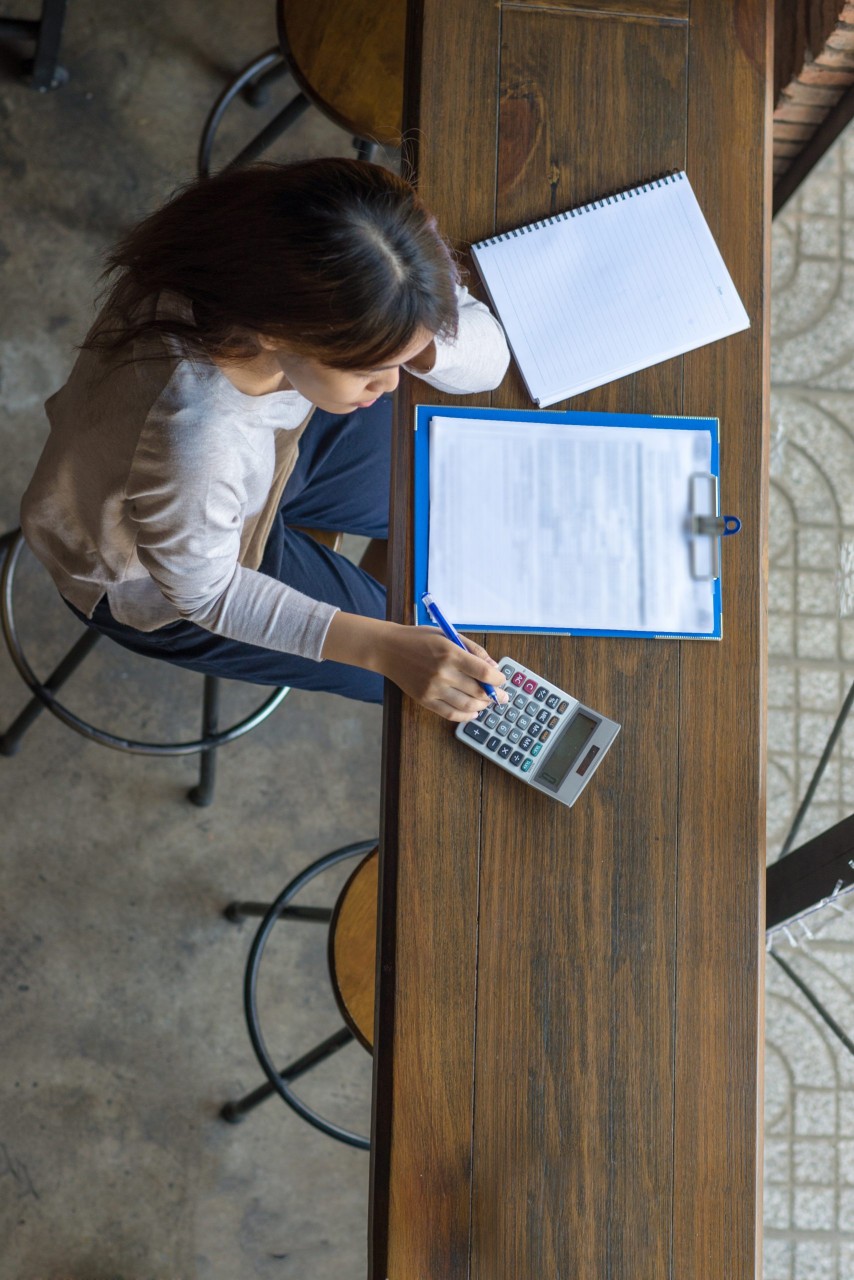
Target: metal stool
[(346, 60), (817, 875), (42, 71), (351, 951), (11, 546)]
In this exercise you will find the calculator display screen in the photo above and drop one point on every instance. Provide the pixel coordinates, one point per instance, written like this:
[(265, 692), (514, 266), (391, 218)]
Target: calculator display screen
[(564, 753)]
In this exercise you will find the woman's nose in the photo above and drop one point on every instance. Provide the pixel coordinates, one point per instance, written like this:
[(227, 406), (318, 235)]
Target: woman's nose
[(387, 381)]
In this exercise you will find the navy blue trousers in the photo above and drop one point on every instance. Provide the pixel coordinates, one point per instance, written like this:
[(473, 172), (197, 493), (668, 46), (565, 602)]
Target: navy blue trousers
[(340, 482)]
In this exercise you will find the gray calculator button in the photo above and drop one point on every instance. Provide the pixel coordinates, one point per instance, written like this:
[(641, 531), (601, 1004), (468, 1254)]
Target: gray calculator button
[(504, 750), (543, 716), (519, 700), (511, 714), (552, 700), (542, 693), (492, 744), (523, 722), (532, 708), (481, 715), (517, 758), (534, 730), (476, 731), (563, 706), (507, 671), (491, 720), (514, 735), (526, 742), (503, 727)]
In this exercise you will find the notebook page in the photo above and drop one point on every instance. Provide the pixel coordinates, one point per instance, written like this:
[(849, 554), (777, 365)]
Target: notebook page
[(615, 287), (568, 527)]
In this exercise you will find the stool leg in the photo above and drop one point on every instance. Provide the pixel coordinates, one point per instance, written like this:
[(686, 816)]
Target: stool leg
[(234, 1112), (10, 741), (237, 912), (45, 74), (257, 92), (269, 134), (202, 794)]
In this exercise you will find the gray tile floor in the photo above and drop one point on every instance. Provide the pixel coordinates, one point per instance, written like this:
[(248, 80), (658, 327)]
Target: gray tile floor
[(122, 1029), (809, 1081)]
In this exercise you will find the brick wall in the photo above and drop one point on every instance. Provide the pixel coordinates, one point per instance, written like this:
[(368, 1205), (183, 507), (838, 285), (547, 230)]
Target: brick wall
[(814, 66)]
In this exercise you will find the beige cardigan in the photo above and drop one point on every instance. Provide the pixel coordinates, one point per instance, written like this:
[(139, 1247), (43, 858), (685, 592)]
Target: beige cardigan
[(159, 483)]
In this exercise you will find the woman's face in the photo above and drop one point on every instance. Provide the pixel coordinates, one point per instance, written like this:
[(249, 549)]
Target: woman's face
[(343, 390)]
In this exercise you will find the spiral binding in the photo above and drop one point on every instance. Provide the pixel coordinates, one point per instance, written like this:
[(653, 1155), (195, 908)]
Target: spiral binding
[(585, 208)]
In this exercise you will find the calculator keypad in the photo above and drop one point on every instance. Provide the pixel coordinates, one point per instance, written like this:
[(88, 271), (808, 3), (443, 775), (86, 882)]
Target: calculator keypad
[(476, 731), (517, 729)]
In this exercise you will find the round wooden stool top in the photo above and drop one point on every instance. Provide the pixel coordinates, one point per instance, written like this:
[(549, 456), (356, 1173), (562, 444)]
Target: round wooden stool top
[(347, 57), (353, 949)]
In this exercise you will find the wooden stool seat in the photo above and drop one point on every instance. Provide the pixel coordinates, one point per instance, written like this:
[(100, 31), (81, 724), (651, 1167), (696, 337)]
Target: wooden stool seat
[(347, 58), (353, 949)]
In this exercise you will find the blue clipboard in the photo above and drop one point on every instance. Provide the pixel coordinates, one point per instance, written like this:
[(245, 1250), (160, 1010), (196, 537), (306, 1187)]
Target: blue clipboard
[(711, 525)]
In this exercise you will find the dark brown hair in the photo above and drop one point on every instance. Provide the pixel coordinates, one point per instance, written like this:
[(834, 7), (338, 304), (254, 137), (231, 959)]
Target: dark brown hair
[(337, 259)]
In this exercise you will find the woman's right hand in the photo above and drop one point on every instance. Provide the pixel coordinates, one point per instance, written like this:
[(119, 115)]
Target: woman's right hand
[(420, 660)]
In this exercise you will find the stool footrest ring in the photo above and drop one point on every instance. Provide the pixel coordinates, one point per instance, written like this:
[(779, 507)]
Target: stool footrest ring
[(13, 544)]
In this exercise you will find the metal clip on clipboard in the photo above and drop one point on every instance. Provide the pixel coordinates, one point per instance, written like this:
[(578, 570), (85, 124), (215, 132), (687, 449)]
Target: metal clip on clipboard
[(707, 527)]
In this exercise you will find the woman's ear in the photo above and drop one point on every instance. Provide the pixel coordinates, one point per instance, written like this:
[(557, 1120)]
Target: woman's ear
[(267, 344)]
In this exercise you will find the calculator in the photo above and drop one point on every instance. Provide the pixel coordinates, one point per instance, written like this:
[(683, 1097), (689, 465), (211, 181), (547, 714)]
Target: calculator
[(543, 735)]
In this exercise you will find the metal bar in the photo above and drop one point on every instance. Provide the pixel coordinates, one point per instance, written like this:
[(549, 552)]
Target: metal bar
[(235, 1111), (45, 73), (257, 92), (202, 794), (237, 911), (10, 741), (269, 134), (20, 28), (815, 1002), (819, 770)]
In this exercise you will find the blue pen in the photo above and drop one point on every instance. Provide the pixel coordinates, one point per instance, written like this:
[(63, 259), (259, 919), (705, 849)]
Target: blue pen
[(452, 634)]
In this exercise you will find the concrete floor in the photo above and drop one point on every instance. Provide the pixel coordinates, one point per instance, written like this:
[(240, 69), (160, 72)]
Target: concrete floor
[(122, 1026)]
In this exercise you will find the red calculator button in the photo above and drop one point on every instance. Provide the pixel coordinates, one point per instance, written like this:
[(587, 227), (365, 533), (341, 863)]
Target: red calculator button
[(519, 680), (529, 686)]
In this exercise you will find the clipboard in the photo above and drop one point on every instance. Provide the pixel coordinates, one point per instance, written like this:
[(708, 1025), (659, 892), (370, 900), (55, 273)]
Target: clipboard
[(702, 527)]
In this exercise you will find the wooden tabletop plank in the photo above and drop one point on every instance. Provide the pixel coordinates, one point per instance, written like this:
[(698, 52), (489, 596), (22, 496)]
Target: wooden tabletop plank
[(424, 1029), (578, 977), (546, 975), (720, 950)]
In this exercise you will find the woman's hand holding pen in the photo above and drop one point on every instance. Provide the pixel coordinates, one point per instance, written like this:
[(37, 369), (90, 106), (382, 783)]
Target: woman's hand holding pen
[(420, 660)]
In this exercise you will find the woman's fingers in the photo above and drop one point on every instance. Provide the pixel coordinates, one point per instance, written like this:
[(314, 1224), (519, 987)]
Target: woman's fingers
[(451, 713), (483, 671), (437, 673)]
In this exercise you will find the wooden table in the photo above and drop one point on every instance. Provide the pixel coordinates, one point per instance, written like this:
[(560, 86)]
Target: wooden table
[(568, 1039)]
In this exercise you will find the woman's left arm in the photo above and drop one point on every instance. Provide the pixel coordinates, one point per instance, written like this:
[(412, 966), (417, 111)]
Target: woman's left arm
[(476, 360)]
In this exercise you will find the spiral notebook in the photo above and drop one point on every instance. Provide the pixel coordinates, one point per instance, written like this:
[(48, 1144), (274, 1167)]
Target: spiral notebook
[(598, 292)]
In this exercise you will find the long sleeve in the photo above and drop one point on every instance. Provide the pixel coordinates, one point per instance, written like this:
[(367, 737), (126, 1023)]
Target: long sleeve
[(477, 359), (187, 505)]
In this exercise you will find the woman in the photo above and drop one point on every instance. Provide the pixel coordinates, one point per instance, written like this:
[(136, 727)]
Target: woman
[(235, 389)]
